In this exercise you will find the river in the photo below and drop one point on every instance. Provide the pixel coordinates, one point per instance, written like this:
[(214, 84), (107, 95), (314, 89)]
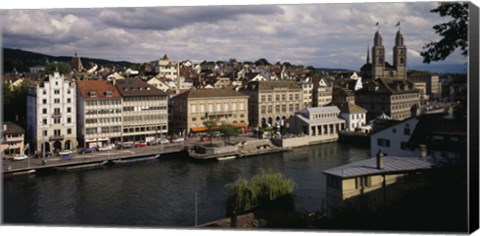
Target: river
[(161, 193)]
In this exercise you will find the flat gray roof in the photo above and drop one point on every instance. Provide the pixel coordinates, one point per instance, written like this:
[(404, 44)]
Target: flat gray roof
[(391, 164)]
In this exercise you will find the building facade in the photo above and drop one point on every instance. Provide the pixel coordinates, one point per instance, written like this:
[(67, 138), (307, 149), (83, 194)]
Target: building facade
[(320, 122), (167, 68), (144, 110), (373, 182), (12, 139), (196, 106), (272, 102), (51, 114), (395, 98), (99, 113)]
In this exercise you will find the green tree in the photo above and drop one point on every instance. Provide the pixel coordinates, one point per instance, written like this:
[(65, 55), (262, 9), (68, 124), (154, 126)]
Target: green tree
[(262, 62), (267, 191), (62, 67), (210, 124), (454, 33), (228, 130), (15, 102)]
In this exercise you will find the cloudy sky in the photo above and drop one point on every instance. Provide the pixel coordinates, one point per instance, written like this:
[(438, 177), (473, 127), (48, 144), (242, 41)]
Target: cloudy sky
[(321, 35)]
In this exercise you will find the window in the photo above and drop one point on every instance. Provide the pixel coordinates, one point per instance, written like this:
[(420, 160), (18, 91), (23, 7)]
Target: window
[(69, 100), (56, 111), (202, 108), (394, 131), (56, 91), (44, 92), (234, 106), (69, 120), (241, 105), (69, 131), (383, 142), (277, 97), (194, 119), (269, 109), (194, 108), (56, 121), (406, 131), (44, 121), (263, 98), (45, 133), (262, 110), (108, 93), (56, 100), (363, 181), (277, 108), (290, 96), (44, 101), (219, 107), (44, 111), (92, 94), (284, 97), (69, 109)]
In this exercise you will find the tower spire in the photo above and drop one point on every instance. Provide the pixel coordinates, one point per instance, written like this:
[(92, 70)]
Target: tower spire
[(368, 53)]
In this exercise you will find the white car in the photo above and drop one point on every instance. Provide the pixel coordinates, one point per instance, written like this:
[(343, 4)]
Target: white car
[(20, 157), (65, 152), (105, 148), (164, 141), (178, 140)]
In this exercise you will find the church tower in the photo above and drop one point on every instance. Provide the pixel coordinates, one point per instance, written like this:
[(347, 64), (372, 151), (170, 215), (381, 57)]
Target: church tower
[(400, 56), (378, 54)]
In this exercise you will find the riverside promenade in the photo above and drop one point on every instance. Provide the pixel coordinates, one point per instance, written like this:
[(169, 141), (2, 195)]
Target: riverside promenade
[(35, 164)]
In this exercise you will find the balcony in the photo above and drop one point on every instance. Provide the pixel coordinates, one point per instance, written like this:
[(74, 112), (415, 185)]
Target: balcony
[(56, 115), (56, 137)]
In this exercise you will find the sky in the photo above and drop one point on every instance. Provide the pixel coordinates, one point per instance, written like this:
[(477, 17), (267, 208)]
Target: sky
[(333, 35)]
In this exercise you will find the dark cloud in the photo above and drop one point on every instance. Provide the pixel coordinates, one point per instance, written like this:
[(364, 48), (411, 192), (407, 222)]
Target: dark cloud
[(167, 18)]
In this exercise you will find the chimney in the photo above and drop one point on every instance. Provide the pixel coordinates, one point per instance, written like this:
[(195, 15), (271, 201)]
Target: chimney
[(4, 127), (380, 161), (423, 150)]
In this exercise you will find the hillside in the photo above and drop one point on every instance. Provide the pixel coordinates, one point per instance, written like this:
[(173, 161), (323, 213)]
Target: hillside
[(22, 60)]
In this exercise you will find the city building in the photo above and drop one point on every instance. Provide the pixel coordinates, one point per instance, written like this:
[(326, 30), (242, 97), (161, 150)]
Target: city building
[(393, 139), (319, 122), (354, 115), (322, 93), (12, 139), (432, 81), (158, 83), (307, 92), (144, 112), (99, 113), (395, 98), (167, 68), (196, 106), (374, 182), (51, 114), (272, 102)]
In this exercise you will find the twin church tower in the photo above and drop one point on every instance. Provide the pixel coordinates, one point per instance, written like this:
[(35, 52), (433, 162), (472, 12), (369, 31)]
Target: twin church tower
[(379, 68)]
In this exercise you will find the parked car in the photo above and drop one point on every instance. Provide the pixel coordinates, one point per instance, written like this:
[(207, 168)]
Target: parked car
[(164, 141), (65, 152), (67, 157), (141, 144), (180, 139), (125, 145), (88, 150), (205, 138), (153, 142), (105, 148), (20, 157)]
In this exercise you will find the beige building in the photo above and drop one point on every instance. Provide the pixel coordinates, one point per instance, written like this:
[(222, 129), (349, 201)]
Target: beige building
[(99, 113), (373, 182), (395, 98), (12, 139), (192, 108), (272, 102), (432, 82), (167, 68), (144, 112)]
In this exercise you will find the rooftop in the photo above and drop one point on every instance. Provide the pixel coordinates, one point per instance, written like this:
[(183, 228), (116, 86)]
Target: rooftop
[(12, 128), (392, 164), (98, 86), (137, 87)]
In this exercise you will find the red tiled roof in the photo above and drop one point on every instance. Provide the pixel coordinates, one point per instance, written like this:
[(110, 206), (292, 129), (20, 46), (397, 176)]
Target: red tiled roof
[(98, 86)]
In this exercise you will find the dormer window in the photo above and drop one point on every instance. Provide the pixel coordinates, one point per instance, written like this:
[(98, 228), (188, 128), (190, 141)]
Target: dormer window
[(108, 93), (92, 94)]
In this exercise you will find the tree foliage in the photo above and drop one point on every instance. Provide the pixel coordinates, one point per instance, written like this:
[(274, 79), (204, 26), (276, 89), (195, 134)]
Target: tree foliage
[(229, 130), (261, 191), (62, 67), (15, 102), (454, 33), (210, 124), (262, 62)]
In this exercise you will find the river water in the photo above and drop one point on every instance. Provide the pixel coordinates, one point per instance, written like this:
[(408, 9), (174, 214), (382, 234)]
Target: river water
[(161, 193)]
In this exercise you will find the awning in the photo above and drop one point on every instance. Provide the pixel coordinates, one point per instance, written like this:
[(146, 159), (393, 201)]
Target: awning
[(204, 128), (199, 129), (241, 125)]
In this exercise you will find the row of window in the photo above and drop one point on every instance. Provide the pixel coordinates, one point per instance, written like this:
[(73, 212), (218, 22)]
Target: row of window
[(56, 100), (145, 117), (218, 107), (278, 96), (56, 91), (103, 120), (103, 111), (150, 128), (103, 102), (57, 132), (280, 108), (57, 121), (145, 98)]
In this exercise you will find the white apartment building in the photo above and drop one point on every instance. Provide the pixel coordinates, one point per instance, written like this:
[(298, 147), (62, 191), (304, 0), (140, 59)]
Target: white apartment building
[(324, 93), (99, 113), (307, 92), (393, 140), (166, 68), (51, 114)]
